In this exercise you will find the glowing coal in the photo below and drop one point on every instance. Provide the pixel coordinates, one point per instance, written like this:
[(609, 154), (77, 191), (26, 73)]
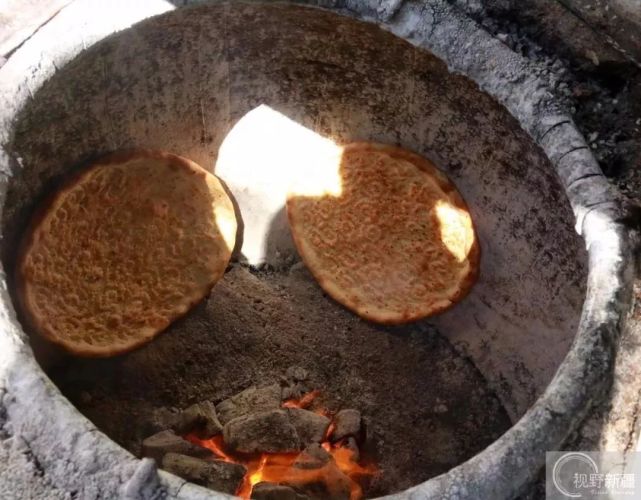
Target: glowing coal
[(323, 469), (275, 441)]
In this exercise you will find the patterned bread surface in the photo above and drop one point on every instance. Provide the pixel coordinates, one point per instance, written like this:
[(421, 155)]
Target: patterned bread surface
[(122, 250), (395, 243)]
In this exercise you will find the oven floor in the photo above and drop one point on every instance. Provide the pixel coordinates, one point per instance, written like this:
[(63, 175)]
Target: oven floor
[(427, 408)]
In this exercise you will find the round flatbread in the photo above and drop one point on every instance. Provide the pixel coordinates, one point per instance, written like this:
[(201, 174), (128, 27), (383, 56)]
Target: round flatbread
[(122, 250), (395, 243)]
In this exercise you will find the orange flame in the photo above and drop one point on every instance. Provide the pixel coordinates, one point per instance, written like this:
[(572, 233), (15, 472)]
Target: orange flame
[(253, 476), (344, 458), (303, 402), (216, 445), (340, 472)]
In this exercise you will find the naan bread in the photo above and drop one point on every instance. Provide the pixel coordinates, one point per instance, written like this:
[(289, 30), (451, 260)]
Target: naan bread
[(396, 245), (122, 250)]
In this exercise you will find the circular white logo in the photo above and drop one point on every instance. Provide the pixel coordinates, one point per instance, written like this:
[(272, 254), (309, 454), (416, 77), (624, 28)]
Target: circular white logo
[(565, 470)]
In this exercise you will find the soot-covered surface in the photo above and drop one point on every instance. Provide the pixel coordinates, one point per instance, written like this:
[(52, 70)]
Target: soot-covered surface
[(206, 70), (194, 79), (428, 409)]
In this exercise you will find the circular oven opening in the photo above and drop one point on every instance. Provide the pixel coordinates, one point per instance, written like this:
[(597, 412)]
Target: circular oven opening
[(200, 81)]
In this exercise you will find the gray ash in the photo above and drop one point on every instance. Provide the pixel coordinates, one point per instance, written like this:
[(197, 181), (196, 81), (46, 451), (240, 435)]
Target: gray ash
[(600, 88)]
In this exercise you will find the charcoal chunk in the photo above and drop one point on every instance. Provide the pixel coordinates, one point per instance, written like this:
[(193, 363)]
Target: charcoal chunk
[(329, 482), (312, 457), (271, 491), (346, 423), (199, 418), (251, 400), (293, 383), (296, 374), (294, 391), (266, 432), (161, 419), (215, 474), (311, 427), (159, 444)]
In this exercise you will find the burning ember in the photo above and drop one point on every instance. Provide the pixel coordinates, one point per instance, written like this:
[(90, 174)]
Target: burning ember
[(331, 468), (266, 443)]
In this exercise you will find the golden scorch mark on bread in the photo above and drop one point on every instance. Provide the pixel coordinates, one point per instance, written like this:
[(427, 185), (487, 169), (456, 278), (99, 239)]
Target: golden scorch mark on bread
[(395, 243), (122, 250)]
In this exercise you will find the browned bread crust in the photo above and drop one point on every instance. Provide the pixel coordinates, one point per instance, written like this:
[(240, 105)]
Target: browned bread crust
[(122, 249), (396, 245)]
